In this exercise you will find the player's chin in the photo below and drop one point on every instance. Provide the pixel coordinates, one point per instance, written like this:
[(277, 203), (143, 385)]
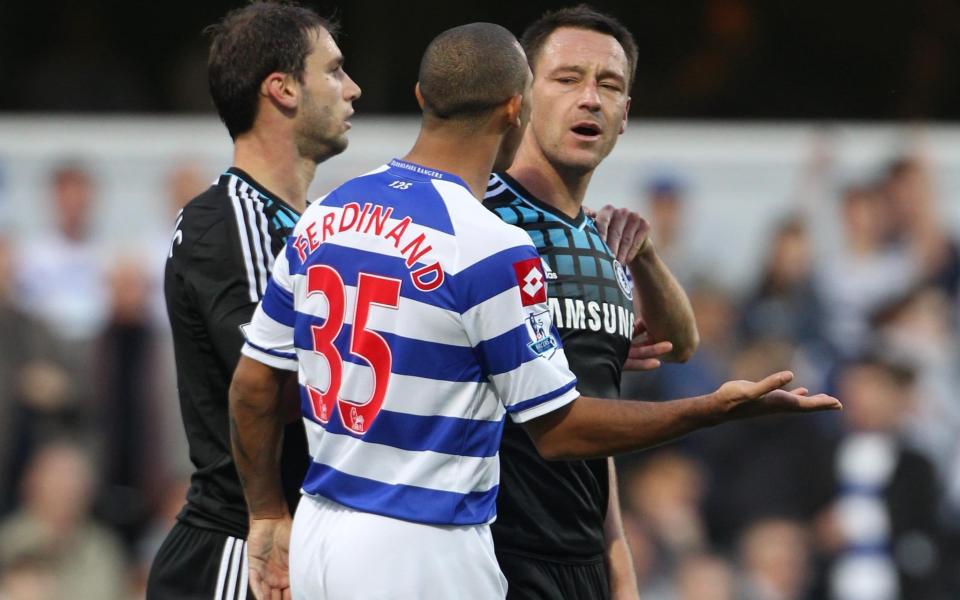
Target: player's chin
[(581, 159), (329, 147)]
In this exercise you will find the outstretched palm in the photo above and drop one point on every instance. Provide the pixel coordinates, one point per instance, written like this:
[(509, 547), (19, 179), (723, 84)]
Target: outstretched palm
[(744, 399)]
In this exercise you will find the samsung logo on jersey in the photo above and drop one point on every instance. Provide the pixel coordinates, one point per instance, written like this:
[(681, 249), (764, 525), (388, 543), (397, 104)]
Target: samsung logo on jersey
[(592, 316)]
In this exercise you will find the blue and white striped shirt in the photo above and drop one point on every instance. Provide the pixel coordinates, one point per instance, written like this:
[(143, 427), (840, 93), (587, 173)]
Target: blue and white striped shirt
[(416, 321)]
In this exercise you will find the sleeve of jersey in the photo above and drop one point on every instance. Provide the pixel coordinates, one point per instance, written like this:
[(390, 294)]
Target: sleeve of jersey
[(269, 336), (509, 325)]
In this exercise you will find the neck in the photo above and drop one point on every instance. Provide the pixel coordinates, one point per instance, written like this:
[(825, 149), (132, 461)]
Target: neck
[(564, 189), (273, 160), (442, 147)]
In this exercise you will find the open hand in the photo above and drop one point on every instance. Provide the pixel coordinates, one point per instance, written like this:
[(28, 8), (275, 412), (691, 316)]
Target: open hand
[(742, 399), (268, 552)]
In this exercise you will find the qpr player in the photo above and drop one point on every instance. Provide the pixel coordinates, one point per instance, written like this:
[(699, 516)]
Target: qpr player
[(412, 339)]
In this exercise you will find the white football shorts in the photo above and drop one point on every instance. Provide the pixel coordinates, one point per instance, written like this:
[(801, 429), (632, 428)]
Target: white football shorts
[(338, 553)]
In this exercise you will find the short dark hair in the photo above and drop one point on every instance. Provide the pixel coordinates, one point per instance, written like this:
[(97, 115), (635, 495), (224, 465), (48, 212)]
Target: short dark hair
[(249, 44), (470, 69), (582, 16)]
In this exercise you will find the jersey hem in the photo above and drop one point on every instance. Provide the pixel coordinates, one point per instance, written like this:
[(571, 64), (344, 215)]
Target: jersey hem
[(547, 406), (314, 496), (270, 360)]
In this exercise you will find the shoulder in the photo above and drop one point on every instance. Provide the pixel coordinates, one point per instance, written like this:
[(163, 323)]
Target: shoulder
[(374, 179), (209, 227), (504, 201), (477, 227), (351, 190), (205, 211)]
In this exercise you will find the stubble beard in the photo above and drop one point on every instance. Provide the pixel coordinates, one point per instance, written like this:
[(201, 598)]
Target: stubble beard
[(319, 138)]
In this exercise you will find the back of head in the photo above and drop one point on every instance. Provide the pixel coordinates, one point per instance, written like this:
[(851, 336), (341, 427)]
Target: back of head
[(471, 69), (582, 16), (249, 44)]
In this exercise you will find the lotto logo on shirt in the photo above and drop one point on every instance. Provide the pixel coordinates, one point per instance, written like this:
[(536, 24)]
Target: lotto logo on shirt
[(532, 282)]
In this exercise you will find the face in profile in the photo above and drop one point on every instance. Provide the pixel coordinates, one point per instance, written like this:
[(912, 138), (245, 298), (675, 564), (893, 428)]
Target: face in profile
[(326, 101), (580, 98)]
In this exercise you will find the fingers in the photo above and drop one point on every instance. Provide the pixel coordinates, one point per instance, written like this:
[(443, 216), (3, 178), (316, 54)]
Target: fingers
[(644, 357), (800, 391), (256, 584), (634, 237), (624, 231), (590, 212), (646, 364), (769, 383), (781, 401), (602, 220), (649, 350), (630, 232), (639, 327), (615, 229), (818, 402)]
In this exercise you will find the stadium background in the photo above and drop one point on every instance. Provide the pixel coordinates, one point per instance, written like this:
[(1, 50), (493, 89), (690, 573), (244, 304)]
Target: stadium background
[(800, 164)]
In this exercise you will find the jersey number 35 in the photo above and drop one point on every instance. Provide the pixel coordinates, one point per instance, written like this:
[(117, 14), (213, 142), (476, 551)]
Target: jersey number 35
[(365, 344)]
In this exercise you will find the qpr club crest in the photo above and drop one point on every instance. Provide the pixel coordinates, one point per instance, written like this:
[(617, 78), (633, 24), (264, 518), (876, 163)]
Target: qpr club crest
[(624, 278), (538, 326)]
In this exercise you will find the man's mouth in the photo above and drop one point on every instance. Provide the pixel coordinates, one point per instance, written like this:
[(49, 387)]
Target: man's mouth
[(587, 129)]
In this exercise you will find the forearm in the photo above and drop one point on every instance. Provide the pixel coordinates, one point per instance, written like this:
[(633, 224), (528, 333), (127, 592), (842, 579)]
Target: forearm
[(596, 427), (664, 305), (623, 579), (593, 427), (256, 434)]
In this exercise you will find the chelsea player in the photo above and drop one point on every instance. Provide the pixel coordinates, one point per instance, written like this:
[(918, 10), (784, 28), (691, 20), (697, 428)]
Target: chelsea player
[(558, 532)]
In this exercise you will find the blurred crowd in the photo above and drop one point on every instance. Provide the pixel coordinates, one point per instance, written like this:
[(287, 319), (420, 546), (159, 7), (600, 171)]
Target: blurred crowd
[(856, 291)]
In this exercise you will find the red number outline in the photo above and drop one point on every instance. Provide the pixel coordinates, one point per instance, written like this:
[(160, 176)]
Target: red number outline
[(366, 344)]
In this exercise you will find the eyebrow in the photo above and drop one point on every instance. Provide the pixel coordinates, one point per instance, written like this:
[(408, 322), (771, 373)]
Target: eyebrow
[(604, 73), (337, 61)]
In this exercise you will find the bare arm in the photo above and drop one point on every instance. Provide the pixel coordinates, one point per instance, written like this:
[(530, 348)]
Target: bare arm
[(623, 579), (664, 305), (596, 427), (257, 418), (256, 433), (659, 298)]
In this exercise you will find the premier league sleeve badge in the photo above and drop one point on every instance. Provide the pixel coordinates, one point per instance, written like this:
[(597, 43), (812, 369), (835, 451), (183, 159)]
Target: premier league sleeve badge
[(539, 327)]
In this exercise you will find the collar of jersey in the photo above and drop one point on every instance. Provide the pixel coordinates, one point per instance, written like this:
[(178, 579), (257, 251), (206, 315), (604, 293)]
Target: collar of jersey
[(245, 177), (525, 196), (409, 170)]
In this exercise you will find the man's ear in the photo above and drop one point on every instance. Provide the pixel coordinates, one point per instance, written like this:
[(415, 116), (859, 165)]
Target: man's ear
[(282, 89), (514, 110), (419, 95), (626, 114)]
